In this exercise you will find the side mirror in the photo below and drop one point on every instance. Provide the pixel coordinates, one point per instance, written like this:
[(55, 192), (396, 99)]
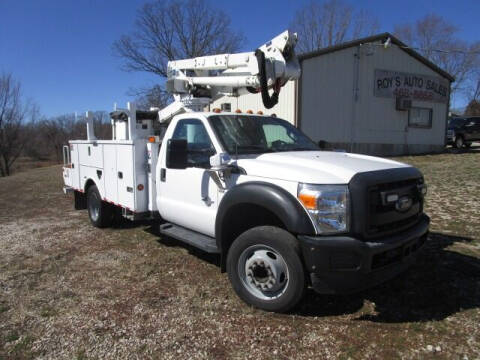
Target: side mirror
[(177, 154), (219, 161), (322, 144)]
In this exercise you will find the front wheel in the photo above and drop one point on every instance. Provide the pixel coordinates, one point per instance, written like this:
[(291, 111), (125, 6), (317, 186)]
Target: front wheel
[(99, 212), (265, 269), (458, 142)]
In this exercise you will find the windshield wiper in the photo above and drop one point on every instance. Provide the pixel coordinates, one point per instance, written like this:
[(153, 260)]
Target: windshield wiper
[(255, 148), (296, 149)]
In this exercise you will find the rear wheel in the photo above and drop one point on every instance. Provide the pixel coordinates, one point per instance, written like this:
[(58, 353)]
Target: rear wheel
[(459, 142), (265, 269), (99, 212)]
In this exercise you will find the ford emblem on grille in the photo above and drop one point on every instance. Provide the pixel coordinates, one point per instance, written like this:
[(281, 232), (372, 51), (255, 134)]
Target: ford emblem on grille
[(404, 203)]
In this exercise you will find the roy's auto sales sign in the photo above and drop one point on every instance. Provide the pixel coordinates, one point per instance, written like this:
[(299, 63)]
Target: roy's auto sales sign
[(411, 86)]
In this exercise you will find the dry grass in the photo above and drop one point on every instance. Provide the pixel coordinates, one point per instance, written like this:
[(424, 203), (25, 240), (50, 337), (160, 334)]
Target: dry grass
[(68, 290)]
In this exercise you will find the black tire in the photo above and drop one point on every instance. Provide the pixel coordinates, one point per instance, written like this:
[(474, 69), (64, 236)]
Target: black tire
[(99, 212), (458, 142), (468, 144), (283, 251)]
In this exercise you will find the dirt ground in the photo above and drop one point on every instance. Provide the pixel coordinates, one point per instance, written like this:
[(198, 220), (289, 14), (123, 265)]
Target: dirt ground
[(71, 291)]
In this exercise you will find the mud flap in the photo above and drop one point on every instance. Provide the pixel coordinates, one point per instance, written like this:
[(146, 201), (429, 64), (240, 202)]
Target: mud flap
[(80, 200)]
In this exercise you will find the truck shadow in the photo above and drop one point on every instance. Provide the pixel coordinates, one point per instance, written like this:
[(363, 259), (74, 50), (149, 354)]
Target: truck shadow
[(441, 283), (153, 229)]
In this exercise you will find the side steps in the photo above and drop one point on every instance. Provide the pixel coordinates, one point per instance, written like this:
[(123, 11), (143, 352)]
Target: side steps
[(200, 241)]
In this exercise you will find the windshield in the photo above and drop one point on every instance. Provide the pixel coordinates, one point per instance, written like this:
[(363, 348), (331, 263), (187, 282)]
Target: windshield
[(244, 134), (455, 122)]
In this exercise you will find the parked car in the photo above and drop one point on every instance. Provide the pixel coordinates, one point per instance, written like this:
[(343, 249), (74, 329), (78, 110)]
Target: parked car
[(462, 131)]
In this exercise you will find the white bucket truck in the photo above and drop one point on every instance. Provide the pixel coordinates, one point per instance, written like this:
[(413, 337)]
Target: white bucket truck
[(281, 214)]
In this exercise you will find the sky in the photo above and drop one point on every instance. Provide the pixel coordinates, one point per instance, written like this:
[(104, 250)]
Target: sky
[(61, 50)]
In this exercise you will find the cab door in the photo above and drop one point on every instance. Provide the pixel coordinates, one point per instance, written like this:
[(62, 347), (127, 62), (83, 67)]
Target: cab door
[(188, 197)]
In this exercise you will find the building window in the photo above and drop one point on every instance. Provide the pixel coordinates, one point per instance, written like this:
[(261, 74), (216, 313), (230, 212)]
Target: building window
[(226, 107), (420, 117)]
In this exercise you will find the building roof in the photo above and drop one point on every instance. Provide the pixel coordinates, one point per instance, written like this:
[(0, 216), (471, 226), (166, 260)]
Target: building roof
[(382, 37)]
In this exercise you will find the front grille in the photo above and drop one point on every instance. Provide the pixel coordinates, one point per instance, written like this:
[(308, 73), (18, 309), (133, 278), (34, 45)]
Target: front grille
[(372, 215), (384, 217)]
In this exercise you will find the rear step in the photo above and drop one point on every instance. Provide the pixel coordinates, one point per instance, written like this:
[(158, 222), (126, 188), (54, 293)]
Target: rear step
[(200, 241)]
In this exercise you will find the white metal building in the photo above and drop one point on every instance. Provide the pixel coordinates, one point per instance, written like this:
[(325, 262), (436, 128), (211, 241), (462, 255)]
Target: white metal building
[(371, 95)]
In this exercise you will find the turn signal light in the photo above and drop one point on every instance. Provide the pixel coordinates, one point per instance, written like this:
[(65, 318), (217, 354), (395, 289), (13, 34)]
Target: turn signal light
[(308, 200), (151, 139)]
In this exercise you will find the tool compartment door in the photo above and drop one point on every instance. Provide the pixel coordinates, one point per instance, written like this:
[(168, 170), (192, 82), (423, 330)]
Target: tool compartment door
[(125, 176), (71, 174), (111, 176)]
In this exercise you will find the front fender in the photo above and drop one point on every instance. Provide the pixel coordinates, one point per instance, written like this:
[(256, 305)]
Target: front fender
[(273, 198)]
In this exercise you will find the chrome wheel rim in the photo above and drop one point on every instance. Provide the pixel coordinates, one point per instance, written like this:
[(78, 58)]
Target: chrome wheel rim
[(459, 142), (263, 272), (94, 206)]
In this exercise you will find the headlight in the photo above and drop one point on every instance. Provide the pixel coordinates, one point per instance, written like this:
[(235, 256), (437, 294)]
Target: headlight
[(327, 205)]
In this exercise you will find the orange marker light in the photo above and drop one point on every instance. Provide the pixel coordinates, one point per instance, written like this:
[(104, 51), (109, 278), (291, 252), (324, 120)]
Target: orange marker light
[(140, 187), (216, 110), (151, 139), (308, 200), (238, 111), (259, 112), (249, 112)]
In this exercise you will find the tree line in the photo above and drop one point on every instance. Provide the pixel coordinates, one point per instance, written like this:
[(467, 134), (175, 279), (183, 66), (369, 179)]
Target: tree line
[(177, 29), (24, 132)]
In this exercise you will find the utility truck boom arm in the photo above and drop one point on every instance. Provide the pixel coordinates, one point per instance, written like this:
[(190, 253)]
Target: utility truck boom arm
[(196, 82)]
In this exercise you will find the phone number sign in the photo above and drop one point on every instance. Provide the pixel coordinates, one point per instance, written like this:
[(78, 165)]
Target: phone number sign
[(411, 86)]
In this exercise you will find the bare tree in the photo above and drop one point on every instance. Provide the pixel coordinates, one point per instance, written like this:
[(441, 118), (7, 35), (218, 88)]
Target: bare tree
[(473, 108), (168, 30), (149, 97), (13, 116), (329, 23), (56, 132), (475, 91), (435, 38)]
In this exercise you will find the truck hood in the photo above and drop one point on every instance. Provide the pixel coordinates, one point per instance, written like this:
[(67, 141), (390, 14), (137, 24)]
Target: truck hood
[(313, 167)]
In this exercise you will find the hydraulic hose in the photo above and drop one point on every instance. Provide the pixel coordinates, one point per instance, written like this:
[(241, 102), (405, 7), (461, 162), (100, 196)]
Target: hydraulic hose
[(268, 101)]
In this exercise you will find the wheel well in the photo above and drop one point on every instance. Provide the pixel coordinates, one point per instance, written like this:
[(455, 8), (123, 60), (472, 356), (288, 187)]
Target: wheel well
[(241, 218)]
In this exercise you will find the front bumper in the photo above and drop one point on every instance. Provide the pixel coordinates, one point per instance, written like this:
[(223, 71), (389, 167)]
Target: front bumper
[(343, 264)]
